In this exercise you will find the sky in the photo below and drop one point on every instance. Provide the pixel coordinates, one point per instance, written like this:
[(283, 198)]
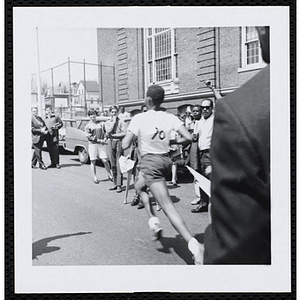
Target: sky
[(56, 45)]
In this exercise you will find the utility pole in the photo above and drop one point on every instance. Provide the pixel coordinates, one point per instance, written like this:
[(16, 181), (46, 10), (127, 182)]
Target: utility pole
[(101, 85), (53, 99), (70, 91), (114, 77), (84, 84), (38, 77)]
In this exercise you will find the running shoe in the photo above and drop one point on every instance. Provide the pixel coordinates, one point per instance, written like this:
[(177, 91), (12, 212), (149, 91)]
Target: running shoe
[(196, 201), (197, 251), (156, 230)]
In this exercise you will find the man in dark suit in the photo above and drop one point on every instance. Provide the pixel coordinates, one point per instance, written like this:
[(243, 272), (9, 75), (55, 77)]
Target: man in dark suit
[(240, 229), (38, 131), (53, 123)]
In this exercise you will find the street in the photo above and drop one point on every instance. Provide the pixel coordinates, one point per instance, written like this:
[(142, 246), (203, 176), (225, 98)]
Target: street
[(78, 222)]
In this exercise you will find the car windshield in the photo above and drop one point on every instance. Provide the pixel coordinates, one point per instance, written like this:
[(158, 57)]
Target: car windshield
[(83, 124), (69, 123)]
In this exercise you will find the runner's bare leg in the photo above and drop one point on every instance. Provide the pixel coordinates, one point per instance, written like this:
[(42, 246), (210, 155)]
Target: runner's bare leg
[(161, 194), (141, 187)]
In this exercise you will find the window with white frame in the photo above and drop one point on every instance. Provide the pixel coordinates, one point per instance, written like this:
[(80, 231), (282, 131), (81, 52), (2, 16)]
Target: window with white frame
[(162, 61), (251, 51)]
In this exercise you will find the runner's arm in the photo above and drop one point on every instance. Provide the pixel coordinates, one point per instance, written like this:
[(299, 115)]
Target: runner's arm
[(185, 136), (128, 140)]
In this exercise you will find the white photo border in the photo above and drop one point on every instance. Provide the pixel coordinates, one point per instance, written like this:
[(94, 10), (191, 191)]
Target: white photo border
[(97, 279)]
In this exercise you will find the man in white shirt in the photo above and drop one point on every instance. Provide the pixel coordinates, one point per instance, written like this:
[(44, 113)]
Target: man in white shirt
[(203, 130), (153, 129), (123, 114)]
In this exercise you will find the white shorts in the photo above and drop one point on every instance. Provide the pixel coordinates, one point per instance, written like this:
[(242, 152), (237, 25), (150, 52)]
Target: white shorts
[(97, 151)]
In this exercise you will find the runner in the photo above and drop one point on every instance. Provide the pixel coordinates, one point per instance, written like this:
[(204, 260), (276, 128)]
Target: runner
[(153, 129)]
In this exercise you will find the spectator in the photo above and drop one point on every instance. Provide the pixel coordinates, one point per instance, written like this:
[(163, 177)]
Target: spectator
[(174, 151), (188, 118), (123, 114), (137, 157), (115, 130), (240, 230), (97, 144), (53, 123), (143, 108), (38, 132), (213, 89), (203, 132), (153, 130), (194, 152)]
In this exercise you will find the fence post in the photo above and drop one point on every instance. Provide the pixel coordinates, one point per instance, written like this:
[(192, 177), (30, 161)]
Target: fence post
[(114, 77), (84, 84), (101, 87), (41, 108), (70, 91), (52, 83)]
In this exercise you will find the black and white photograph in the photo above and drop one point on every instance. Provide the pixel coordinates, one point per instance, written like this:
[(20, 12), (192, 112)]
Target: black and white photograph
[(157, 158)]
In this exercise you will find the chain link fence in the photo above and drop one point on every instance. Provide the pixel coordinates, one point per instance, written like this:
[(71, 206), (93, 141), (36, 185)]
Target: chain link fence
[(74, 87)]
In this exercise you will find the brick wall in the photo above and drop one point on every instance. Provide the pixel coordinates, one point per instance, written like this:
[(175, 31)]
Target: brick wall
[(203, 53), (206, 56), (187, 59), (230, 58), (107, 50)]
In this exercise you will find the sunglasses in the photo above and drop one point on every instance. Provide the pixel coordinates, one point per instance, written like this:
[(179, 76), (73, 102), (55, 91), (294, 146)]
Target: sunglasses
[(207, 107)]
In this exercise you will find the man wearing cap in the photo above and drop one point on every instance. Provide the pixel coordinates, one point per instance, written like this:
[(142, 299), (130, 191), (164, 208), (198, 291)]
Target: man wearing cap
[(153, 130)]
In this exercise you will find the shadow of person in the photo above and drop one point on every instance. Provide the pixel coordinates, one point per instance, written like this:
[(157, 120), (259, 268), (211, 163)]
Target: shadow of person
[(174, 199), (172, 187), (179, 245), (40, 247), (70, 165)]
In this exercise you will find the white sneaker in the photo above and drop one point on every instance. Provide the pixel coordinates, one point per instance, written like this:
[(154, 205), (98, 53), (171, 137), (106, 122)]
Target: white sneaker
[(197, 251), (196, 201), (155, 229)]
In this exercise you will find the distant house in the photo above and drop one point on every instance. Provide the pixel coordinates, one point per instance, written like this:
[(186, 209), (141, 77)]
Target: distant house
[(88, 90)]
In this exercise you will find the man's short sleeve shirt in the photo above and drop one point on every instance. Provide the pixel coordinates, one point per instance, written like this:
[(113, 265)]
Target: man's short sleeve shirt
[(204, 127), (153, 129)]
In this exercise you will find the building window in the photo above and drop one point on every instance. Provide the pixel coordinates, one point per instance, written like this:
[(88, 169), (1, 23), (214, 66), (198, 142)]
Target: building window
[(251, 51), (162, 62)]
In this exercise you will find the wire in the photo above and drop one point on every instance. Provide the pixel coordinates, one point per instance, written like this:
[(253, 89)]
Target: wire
[(73, 62)]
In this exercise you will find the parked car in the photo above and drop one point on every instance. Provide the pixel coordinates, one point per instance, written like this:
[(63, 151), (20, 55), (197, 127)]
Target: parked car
[(62, 132), (75, 138)]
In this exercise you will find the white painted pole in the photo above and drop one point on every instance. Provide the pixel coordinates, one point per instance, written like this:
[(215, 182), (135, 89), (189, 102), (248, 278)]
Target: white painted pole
[(41, 110)]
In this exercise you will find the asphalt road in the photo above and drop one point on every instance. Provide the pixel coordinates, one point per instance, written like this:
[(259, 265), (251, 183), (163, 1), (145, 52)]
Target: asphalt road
[(78, 222)]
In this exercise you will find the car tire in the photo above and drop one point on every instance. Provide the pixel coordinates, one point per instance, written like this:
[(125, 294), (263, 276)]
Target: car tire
[(83, 155)]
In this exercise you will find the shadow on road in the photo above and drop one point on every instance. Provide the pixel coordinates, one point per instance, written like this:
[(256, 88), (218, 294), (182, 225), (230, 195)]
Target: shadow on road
[(179, 246), (70, 165), (172, 187), (40, 247)]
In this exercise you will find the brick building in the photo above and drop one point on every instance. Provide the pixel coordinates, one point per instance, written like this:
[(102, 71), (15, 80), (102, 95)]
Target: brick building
[(178, 59)]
